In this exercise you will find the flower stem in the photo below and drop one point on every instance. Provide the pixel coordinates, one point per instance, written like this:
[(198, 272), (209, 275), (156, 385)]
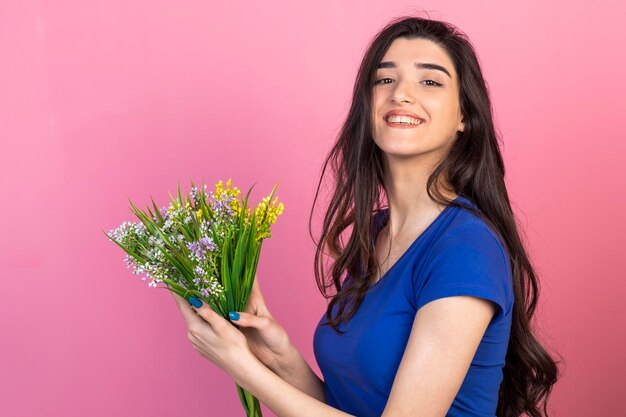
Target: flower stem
[(250, 403)]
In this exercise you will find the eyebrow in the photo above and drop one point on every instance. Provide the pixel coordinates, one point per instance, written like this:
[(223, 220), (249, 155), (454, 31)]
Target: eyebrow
[(418, 65)]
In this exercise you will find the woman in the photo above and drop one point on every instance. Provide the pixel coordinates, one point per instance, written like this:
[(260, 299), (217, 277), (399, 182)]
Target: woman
[(433, 317)]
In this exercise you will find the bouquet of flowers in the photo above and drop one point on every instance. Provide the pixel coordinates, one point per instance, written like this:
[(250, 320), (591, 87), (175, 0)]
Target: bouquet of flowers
[(202, 246)]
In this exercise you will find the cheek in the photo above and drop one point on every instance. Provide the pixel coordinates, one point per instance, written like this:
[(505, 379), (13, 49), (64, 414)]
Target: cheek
[(376, 108), (442, 112)]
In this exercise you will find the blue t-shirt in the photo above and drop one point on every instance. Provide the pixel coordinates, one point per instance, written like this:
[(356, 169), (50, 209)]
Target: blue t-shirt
[(457, 254)]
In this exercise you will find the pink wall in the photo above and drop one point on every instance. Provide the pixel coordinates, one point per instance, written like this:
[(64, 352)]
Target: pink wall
[(103, 100)]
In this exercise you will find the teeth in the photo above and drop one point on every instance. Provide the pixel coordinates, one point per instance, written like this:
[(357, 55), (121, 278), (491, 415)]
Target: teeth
[(404, 119)]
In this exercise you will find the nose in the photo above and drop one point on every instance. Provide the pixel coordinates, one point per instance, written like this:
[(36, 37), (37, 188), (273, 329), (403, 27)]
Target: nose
[(402, 92)]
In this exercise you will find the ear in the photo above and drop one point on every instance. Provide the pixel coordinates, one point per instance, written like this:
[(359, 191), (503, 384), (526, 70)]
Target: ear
[(461, 126)]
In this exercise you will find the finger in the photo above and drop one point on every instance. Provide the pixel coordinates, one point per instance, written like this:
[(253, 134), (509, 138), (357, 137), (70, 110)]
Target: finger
[(257, 306), (182, 304), (205, 311), (251, 320), (255, 283), (177, 298), (180, 301), (190, 316), (258, 295)]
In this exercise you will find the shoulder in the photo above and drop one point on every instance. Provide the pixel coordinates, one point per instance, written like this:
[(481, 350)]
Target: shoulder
[(469, 230), (467, 258)]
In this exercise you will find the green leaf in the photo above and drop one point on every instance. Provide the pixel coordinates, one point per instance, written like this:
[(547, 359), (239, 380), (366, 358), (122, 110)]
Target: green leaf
[(180, 198), (226, 270), (238, 266), (129, 251), (152, 215), (157, 211), (192, 184), (174, 202), (243, 399), (148, 222), (251, 251), (174, 286), (268, 203)]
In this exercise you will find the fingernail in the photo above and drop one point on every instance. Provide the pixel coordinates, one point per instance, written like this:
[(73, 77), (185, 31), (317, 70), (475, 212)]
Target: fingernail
[(233, 315), (195, 302)]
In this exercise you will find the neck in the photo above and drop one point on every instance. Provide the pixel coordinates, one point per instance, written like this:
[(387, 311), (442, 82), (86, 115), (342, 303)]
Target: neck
[(409, 203)]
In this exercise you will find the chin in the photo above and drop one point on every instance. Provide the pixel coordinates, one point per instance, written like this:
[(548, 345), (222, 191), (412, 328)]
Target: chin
[(408, 152), (402, 147)]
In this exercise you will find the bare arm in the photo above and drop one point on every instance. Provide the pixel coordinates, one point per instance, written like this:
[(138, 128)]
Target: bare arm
[(271, 345), (282, 398), (220, 342), (296, 371)]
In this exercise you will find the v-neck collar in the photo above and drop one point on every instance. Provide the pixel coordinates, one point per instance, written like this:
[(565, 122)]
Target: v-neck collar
[(384, 216)]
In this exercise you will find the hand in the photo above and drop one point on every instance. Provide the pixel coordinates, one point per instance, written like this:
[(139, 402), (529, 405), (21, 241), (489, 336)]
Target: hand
[(214, 337), (267, 339)]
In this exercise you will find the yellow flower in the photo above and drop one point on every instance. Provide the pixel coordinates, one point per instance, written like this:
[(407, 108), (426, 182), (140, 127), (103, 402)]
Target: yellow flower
[(266, 216), (228, 194), (219, 189)]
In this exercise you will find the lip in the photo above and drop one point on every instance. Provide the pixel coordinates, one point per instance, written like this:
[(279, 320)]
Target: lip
[(403, 113)]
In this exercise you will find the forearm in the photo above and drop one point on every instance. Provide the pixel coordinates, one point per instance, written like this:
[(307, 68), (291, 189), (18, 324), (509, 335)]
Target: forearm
[(281, 397), (296, 371)]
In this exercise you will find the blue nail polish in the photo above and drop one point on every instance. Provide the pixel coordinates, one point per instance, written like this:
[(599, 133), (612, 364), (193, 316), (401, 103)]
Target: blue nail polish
[(233, 315), (195, 302)]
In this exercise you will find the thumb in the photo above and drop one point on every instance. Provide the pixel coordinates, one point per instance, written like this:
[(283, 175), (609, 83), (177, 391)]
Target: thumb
[(243, 319)]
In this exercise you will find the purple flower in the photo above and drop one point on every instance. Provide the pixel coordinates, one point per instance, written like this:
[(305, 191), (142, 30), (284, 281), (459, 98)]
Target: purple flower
[(223, 206), (195, 195), (204, 227), (199, 249)]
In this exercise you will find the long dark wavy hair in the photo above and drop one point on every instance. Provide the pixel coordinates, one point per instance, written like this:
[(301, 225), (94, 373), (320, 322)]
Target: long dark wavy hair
[(473, 167)]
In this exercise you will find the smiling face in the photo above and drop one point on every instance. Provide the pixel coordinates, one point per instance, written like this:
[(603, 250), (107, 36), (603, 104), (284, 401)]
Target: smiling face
[(412, 78)]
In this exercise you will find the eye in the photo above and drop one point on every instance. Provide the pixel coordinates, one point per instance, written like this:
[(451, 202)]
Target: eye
[(382, 79), (431, 83), (434, 83)]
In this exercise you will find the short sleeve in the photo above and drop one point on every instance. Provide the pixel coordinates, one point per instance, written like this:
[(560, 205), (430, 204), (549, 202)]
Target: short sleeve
[(469, 260)]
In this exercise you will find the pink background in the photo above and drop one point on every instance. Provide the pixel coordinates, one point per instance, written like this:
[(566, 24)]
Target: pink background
[(108, 99)]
